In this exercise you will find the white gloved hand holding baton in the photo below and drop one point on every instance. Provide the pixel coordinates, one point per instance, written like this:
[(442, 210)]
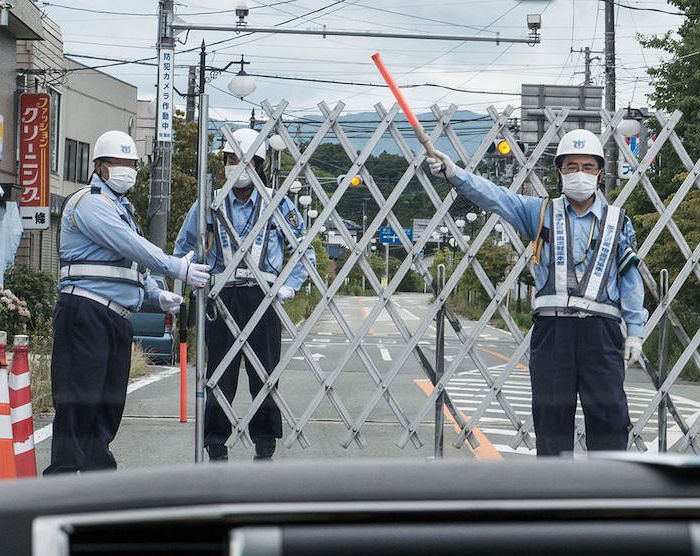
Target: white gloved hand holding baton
[(441, 165)]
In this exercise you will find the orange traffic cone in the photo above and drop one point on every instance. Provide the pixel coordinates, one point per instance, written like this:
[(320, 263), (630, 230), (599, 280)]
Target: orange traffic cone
[(21, 409), (7, 452)]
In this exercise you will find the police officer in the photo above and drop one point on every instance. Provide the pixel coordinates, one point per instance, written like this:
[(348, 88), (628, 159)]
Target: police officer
[(242, 295), (103, 259), (585, 269)]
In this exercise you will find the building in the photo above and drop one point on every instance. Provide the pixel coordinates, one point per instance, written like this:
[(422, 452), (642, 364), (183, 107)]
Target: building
[(23, 23), (84, 103)]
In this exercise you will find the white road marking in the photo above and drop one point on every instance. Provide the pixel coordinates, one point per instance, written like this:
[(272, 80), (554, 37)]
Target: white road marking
[(385, 354), (47, 431)]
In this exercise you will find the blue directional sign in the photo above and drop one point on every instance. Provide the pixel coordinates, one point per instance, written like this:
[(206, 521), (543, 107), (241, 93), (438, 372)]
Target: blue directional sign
[(387, 236)]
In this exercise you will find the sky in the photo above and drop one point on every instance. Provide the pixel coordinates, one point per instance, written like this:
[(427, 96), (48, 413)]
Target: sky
[(498, 70)]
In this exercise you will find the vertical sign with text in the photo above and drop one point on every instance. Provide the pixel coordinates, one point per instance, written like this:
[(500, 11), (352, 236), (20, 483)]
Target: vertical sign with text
[(34, 156), (165, 107)]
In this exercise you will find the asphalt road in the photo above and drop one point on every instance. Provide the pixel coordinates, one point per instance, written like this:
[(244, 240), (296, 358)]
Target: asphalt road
[(152, 435)]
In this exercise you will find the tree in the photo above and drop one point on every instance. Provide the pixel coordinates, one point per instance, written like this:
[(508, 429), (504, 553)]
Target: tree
[(676, 84)]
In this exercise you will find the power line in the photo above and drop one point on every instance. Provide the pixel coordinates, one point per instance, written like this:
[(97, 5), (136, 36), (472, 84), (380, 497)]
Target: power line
[(638, 8), (360, 84), (140, 60)]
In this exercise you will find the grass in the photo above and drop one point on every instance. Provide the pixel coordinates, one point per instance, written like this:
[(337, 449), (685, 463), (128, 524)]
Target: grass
[(40, 371)]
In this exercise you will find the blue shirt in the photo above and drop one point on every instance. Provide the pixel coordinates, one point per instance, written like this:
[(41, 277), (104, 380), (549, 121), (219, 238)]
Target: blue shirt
[(523, 212), (95, 231), (242, 217)]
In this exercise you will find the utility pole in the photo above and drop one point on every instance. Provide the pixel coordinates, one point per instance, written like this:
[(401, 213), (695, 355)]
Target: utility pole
[(191, 85), (610, 148), (587, 61), (159, 198)]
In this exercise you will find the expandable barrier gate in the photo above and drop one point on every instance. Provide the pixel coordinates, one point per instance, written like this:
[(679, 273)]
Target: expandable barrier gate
[(496, 389)]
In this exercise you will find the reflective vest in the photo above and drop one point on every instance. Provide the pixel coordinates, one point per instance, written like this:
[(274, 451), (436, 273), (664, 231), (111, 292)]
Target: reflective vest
[(564, 290), (258, 251), (122, 270)]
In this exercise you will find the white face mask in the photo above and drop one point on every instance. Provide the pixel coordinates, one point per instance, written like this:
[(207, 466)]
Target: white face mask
[(243, 180), (121, 178), (579, 186)]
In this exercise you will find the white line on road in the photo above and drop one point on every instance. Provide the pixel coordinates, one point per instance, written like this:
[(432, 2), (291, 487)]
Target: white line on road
[(47, 431), (385, 354)]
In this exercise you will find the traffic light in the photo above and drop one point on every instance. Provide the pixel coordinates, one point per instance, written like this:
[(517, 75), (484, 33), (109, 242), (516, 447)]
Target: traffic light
[(503, 147), (356, 181)]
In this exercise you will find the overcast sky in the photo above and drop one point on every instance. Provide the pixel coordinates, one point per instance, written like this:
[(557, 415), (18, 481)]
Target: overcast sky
[(566, 24)]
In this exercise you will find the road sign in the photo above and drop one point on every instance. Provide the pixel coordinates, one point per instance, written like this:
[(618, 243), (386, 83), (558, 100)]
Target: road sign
[(34, 160), (387, 236)]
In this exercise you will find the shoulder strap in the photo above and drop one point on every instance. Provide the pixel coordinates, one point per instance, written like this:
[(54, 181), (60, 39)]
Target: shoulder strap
[(539, 240)]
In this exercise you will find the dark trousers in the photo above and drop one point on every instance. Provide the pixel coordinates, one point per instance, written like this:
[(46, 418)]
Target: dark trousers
[(570, 356), (266, 342), (90, 366)]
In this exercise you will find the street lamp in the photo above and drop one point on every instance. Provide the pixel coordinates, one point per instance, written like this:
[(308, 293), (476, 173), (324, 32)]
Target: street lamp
[(295, 188), (242, 84), (471, 217), (277, 143), (498, 228), (305, 201)]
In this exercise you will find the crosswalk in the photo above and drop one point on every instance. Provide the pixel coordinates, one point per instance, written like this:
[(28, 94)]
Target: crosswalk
[(468, 390)]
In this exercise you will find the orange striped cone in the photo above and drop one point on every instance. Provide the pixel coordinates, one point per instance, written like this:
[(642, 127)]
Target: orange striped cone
[(8, 469), (21, 409)]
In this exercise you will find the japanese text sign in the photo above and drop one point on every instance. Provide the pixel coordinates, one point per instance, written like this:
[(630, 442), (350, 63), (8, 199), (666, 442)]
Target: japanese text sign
[(165, 106), (34, 153)]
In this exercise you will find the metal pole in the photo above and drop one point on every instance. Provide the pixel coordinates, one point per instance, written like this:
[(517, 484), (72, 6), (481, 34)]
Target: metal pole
[(202, 294), (386, 265), (191, 96), (440, 367), (611, 147), (663, 358), (161, 171), (342, 33), (364, 228)]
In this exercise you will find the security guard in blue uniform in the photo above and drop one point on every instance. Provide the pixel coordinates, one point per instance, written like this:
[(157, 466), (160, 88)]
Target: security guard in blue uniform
[(243, 295), (585, 269), (104, 259)]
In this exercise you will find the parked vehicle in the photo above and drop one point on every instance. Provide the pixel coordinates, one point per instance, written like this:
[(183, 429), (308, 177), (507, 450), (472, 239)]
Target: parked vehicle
[(153, 330)]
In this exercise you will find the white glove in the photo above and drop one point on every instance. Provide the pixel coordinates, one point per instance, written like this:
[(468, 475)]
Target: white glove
[(170, 302), (441, 166), (285, 292), (196, 275), (633, 350)]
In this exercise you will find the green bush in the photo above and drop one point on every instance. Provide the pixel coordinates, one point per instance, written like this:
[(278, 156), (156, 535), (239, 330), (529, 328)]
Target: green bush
[(37, 288)]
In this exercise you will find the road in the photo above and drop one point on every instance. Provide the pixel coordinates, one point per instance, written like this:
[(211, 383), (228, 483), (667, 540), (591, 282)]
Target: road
[(151, 434)]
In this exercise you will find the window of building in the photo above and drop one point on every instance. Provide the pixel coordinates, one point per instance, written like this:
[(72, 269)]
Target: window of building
[(83, 162), (55, 116), (76, 161), (70, 160)]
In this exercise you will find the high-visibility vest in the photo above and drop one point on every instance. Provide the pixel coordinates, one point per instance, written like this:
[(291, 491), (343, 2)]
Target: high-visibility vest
[(564, 290)]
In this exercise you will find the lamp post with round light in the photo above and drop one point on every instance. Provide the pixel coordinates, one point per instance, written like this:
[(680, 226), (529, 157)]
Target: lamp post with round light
[(305, 201), (471, 218)]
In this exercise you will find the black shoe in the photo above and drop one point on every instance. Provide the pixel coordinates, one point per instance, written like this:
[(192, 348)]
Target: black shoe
[(217, 452), (264, 448)]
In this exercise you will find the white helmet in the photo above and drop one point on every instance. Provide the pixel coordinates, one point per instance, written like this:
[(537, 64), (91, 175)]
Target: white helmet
[(245, 137), (579, 141), (115, 144)]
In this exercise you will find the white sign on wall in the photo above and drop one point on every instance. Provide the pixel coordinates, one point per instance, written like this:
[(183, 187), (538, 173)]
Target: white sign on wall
[(165, 107)]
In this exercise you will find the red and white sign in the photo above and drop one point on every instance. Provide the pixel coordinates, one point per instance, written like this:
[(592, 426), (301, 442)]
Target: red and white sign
[(34, 153)]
